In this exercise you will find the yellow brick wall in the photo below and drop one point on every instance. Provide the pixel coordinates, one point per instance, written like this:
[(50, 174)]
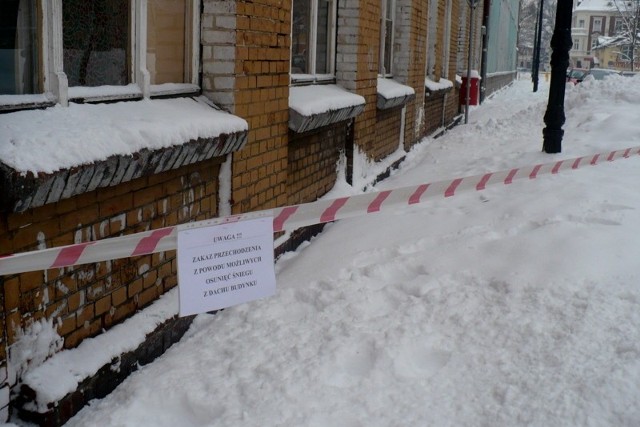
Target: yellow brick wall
[(367, 74), (262, 98), (83, 300), (313, 160), (416, 75), (388, 128)]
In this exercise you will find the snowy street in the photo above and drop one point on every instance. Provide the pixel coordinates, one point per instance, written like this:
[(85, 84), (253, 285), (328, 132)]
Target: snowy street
[(516, 305)]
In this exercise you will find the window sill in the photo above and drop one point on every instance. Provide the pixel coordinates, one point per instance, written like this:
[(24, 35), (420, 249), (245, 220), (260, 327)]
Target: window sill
[(315, 106), (392, 94), (104, 93), (437, 88), (306, 79), (173, 89), (24, 102), (56, 153)]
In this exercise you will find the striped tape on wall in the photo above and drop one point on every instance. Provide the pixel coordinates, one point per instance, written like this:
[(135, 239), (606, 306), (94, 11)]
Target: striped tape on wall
[(293, 217)]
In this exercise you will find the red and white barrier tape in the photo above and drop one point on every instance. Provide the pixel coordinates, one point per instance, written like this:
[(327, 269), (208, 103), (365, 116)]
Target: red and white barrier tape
[(292, 217)]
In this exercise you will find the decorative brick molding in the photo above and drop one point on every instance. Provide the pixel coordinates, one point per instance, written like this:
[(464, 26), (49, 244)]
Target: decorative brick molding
[(385, 104), (19, 192), (300, 123)]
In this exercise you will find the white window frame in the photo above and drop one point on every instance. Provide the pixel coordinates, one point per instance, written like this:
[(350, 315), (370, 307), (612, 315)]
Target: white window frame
[(576, 44), (384, 4), (581, 23), (311, 76), (55, 82)]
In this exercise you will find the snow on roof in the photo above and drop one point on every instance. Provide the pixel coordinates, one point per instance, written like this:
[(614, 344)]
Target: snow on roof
[(63, 137), (317, 99), (597, 6), (604, 42), (390, 88), (439, 85)]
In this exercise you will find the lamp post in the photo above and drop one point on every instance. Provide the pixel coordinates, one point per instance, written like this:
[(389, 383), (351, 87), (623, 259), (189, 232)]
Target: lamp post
[(561, 44)]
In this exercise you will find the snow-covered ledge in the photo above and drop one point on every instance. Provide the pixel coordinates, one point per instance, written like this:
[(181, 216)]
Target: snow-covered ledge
[(442, 85), (393, 94), (56, 153), (314, 106)]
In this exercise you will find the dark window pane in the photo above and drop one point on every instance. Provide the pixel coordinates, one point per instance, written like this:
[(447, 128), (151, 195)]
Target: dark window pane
[(387, 45), (323, 39), (18, 47), (300, 37), (96, 42)]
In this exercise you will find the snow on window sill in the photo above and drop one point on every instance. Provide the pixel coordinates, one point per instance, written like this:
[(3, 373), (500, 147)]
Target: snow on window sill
[(56, 153), (20, 102), (168, 89), (441, 86), (315, 106), (393, 94), (303, 79), (104, 93)]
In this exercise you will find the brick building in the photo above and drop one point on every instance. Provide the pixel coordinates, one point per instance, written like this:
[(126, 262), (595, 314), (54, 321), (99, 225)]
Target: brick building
[(133, 115)]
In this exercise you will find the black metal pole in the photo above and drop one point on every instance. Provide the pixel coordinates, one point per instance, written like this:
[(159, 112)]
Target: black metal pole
[(561, 44), (536, 48)]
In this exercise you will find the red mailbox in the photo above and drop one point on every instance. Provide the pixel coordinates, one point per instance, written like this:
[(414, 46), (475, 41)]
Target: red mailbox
[(474, 90)]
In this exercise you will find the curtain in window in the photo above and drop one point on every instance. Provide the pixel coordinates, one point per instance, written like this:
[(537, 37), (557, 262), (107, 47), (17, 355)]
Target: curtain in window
[(18, 47), (166, 48)]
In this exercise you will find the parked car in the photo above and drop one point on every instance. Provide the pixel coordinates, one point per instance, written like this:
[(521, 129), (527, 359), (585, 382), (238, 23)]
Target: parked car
[(576, 75), (601, 73), (628, 73)]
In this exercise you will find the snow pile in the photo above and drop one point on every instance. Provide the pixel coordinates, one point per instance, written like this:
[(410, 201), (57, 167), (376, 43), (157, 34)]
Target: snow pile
[(33, 346), (518, 305), (61, 374)]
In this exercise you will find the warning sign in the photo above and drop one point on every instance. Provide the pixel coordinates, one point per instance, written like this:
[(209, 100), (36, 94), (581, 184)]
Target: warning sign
[(226, 262)]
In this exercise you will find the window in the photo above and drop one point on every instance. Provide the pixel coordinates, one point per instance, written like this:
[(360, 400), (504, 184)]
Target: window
[(447, 39), (618, 26), (626, 52), (386, 37), (134, 48), (19, 59), (581, 23), (438, 41), (313, 29), (594, 43), (95, 42), (432, 37), (576, 44), (169, 54), (597, 25)]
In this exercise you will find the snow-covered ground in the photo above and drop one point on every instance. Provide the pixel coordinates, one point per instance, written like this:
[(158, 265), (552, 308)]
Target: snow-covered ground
[(517, 305)]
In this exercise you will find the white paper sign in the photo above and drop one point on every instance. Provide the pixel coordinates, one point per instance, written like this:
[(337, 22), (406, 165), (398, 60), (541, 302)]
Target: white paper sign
[(222, 263)]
